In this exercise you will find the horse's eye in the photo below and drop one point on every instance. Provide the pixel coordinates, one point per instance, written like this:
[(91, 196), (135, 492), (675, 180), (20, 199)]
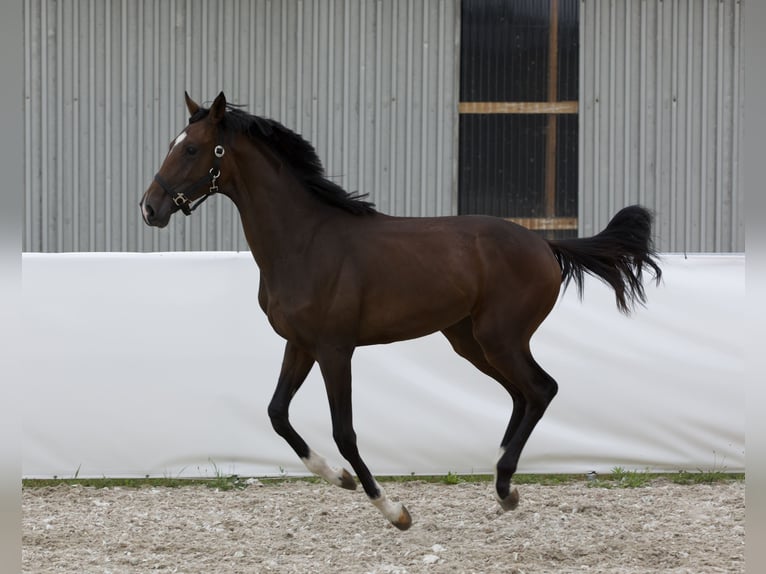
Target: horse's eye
[(191, 150)]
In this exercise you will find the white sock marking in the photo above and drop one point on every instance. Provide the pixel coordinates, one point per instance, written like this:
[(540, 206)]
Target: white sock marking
[(317, 464), (389, 509)]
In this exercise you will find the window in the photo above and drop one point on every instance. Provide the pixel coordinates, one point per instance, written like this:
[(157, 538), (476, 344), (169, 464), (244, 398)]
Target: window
[(518, 112)]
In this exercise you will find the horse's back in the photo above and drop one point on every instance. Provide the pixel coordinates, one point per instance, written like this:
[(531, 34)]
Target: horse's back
[(420, 275), (469, 244), (521, 276)]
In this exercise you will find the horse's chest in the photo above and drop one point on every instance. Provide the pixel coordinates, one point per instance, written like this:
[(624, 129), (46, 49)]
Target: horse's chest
[(303, 312), (285, 318), (279, 320)]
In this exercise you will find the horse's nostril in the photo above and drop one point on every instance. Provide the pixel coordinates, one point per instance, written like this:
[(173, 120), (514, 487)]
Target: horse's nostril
[(148, 212)]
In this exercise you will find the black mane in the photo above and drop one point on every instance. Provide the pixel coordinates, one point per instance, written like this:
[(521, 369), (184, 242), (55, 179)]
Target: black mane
[(296, 152)]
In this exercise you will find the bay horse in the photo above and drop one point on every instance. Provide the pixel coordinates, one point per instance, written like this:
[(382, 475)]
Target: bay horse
[(335, 274)]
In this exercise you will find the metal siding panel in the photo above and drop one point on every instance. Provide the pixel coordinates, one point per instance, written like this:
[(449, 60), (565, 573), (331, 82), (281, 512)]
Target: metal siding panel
[(643, 109), (719, 143), (425, 78), (703, 230), (597, 41), (664, 120), (380, 91), (672, 228), (613, 99), (29, 92), (44, 88), (660, 106), (585, 49), (372, 84), (737, 233), (338, 81)]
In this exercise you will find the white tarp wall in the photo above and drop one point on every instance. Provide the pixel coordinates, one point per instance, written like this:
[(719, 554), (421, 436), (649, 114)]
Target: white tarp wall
[(163, 365)]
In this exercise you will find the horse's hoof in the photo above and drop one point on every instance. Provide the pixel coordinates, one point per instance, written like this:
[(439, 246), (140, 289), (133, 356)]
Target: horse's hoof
[(404, 521), (511, 501), (347, 481)]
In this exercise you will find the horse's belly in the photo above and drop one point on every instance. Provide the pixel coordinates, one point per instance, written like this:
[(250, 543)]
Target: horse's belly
[(408, 317)]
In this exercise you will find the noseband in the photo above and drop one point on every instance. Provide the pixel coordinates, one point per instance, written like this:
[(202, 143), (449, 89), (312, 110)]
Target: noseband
[(180, 197)]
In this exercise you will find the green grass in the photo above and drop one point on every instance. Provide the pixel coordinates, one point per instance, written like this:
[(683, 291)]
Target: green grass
[(622, 478), (456, 478), (704, 477), (619, 478), (221, 483)]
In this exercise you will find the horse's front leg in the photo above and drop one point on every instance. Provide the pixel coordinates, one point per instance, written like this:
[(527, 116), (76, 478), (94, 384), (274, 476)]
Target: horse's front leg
[(336, 369), (296, 365)]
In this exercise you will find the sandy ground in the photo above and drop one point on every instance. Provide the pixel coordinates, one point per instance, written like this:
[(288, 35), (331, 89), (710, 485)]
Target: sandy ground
[(316, 528)]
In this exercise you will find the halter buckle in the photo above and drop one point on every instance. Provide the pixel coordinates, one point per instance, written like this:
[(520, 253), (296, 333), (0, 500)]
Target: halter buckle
[(215, 173), (180, 199)]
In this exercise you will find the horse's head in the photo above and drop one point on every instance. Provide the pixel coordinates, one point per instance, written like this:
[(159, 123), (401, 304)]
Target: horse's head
[(191, 168)]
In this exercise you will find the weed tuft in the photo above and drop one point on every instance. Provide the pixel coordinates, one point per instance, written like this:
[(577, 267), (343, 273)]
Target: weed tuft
[(622, 478), (451, 478)]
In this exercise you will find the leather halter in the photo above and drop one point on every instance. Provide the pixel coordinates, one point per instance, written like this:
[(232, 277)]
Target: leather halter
[(180, 197)]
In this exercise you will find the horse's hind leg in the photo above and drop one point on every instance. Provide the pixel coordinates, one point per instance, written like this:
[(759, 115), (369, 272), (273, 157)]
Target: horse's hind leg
[(537, 388), (336, 370), (465, 344), (296, 365)]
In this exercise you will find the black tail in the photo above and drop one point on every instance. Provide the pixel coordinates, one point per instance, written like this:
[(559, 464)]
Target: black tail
[(617, 256)]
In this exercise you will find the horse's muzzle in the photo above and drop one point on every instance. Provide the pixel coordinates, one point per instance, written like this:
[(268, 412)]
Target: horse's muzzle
[(151, 214)]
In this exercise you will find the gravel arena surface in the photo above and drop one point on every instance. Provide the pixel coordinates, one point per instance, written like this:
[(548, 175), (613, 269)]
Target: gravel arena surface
[(304, 527)]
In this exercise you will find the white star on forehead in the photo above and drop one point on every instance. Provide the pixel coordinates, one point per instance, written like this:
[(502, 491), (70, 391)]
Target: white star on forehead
[(181, 137)]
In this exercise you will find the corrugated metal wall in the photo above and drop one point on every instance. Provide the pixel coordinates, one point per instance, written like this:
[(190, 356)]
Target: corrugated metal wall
[(660, 118), (373, 84)]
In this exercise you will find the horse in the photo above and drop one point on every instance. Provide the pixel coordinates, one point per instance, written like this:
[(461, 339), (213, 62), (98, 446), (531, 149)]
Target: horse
[(336, 274)]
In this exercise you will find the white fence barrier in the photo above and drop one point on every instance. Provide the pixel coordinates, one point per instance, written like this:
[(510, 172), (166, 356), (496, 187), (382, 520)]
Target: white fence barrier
[(163, 365)]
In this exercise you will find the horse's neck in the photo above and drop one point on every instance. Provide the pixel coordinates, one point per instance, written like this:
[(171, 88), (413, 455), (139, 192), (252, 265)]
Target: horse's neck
[(279, 217)]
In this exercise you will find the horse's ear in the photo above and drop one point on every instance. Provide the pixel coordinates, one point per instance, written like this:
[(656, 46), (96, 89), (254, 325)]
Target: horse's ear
[(191, 105), (218, 109)]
